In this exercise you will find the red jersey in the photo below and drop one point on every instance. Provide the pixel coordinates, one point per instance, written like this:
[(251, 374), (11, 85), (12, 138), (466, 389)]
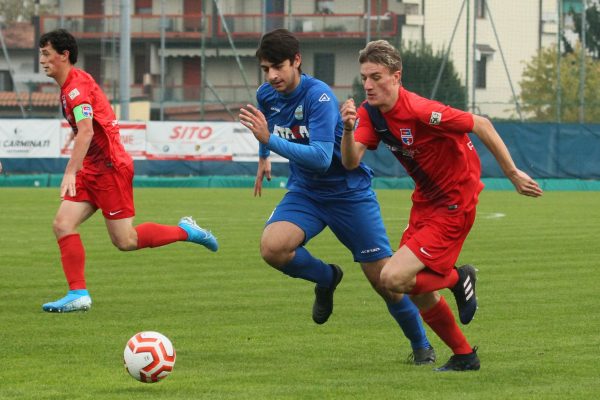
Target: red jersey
[(435, 149), (106, 150)]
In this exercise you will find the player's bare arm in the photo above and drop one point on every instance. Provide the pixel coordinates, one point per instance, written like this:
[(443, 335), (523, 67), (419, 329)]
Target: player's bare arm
[(486, 132), (253, 119), (352, 151), (83, 139), (263, 171)]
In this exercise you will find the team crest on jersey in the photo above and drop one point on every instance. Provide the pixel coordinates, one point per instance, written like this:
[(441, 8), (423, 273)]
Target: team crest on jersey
[(299, 112), (323, 98), (436, 118), (73, 93), (406, 136)]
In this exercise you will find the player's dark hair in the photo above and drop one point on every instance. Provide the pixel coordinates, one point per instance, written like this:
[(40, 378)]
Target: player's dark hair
[(61, 40), (383, 53), (277, 46)]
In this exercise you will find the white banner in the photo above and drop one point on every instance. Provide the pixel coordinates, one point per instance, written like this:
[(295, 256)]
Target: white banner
[(133, 137), (245, 146), (189, 140), (29, 138)]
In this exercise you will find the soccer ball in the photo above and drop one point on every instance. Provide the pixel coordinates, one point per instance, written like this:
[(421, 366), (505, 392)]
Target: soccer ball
[(149, 356)]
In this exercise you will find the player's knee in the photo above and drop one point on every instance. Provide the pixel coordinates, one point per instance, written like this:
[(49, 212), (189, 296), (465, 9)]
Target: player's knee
[(393, 281), (123, 244), (61, 227), (273, 255)]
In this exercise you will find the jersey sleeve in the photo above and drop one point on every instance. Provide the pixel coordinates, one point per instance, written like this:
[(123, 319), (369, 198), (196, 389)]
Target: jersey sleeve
[(440, 116), (77, 94), (364, 131), (323, 114)]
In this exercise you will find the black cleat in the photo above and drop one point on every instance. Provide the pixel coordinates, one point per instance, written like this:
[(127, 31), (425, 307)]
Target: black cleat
[(461, 362), (422, 356), (323, 305), (464, 293)]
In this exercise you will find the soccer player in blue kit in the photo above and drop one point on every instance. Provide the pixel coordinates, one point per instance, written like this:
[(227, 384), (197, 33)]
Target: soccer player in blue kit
[(298, 118)]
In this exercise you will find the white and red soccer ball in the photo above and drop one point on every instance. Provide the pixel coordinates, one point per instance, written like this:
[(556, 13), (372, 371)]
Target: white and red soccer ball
[(149, 356)]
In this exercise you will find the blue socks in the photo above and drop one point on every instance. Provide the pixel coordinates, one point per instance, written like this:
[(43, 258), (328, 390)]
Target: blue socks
[(306, 267), (407, 316)]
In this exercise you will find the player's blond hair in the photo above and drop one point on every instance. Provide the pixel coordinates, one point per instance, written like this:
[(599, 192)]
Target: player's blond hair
[(383, 53)]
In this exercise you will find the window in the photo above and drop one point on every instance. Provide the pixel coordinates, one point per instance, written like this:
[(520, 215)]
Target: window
[(324, 7), (143, 7), (325, 67), (483, 54), (5, 82), (139, 69), (480, 74), (93, 66), (480, 8)]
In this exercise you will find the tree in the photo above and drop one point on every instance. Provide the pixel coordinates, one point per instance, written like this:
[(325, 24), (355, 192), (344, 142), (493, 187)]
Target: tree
[(420, 67), (539, 95), (592, 32)]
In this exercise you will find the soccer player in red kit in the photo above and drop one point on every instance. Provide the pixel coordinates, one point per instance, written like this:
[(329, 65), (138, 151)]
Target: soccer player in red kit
[(430, 140), (99, 175)]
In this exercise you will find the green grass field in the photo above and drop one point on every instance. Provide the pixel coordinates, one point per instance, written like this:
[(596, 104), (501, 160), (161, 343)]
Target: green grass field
[(244, 331)]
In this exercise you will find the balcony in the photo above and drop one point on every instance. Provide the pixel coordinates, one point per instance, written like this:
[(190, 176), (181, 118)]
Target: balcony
[(142, 26), (310, 25), (239, 25)]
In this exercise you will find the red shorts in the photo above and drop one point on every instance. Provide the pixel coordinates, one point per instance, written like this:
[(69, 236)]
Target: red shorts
[(437, 238), (112, 192)]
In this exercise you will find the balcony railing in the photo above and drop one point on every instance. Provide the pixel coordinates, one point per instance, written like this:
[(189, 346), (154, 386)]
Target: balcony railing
[(239, 25), (311, 25), (142, 26)]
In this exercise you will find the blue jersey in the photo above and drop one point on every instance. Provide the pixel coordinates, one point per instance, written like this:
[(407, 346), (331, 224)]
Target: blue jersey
[(311, 113)]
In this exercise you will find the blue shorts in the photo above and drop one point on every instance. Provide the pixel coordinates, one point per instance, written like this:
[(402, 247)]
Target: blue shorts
[(355, 221)]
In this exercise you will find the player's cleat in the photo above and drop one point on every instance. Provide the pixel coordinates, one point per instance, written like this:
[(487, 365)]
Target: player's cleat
[(75, 300), (461, 362), (197, 234), (323, 305), (464, 293), (422, 356)]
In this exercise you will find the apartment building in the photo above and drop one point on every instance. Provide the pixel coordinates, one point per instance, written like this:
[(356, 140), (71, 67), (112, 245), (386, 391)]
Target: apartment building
[(207, 47)]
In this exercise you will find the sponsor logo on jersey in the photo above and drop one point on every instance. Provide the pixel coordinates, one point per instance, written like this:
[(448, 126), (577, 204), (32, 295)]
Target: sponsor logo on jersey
[(86, 111), (324, 97), (406, 136), (436, 118), (424, 251), (299, 112), (275, 109), (407, 153), (73, 93), (369, 251), (296, 132)]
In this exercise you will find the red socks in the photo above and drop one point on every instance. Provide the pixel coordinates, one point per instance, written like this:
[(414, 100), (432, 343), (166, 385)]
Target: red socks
[(72, 255), (156, 235), (442, 322), (430, 281)]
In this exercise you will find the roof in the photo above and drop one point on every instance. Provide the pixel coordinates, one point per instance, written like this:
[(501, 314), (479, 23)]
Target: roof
[(19, 35), (38, 99)]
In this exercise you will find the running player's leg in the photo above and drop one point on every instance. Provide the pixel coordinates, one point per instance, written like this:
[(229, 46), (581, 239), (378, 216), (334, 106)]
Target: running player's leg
[(357, 223), (116, 201), (69, 216), (402, 270), (293, 223)]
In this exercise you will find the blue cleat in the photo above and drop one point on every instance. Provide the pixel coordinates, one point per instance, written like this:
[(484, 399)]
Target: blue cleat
[(75, 300), (197, 234)]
